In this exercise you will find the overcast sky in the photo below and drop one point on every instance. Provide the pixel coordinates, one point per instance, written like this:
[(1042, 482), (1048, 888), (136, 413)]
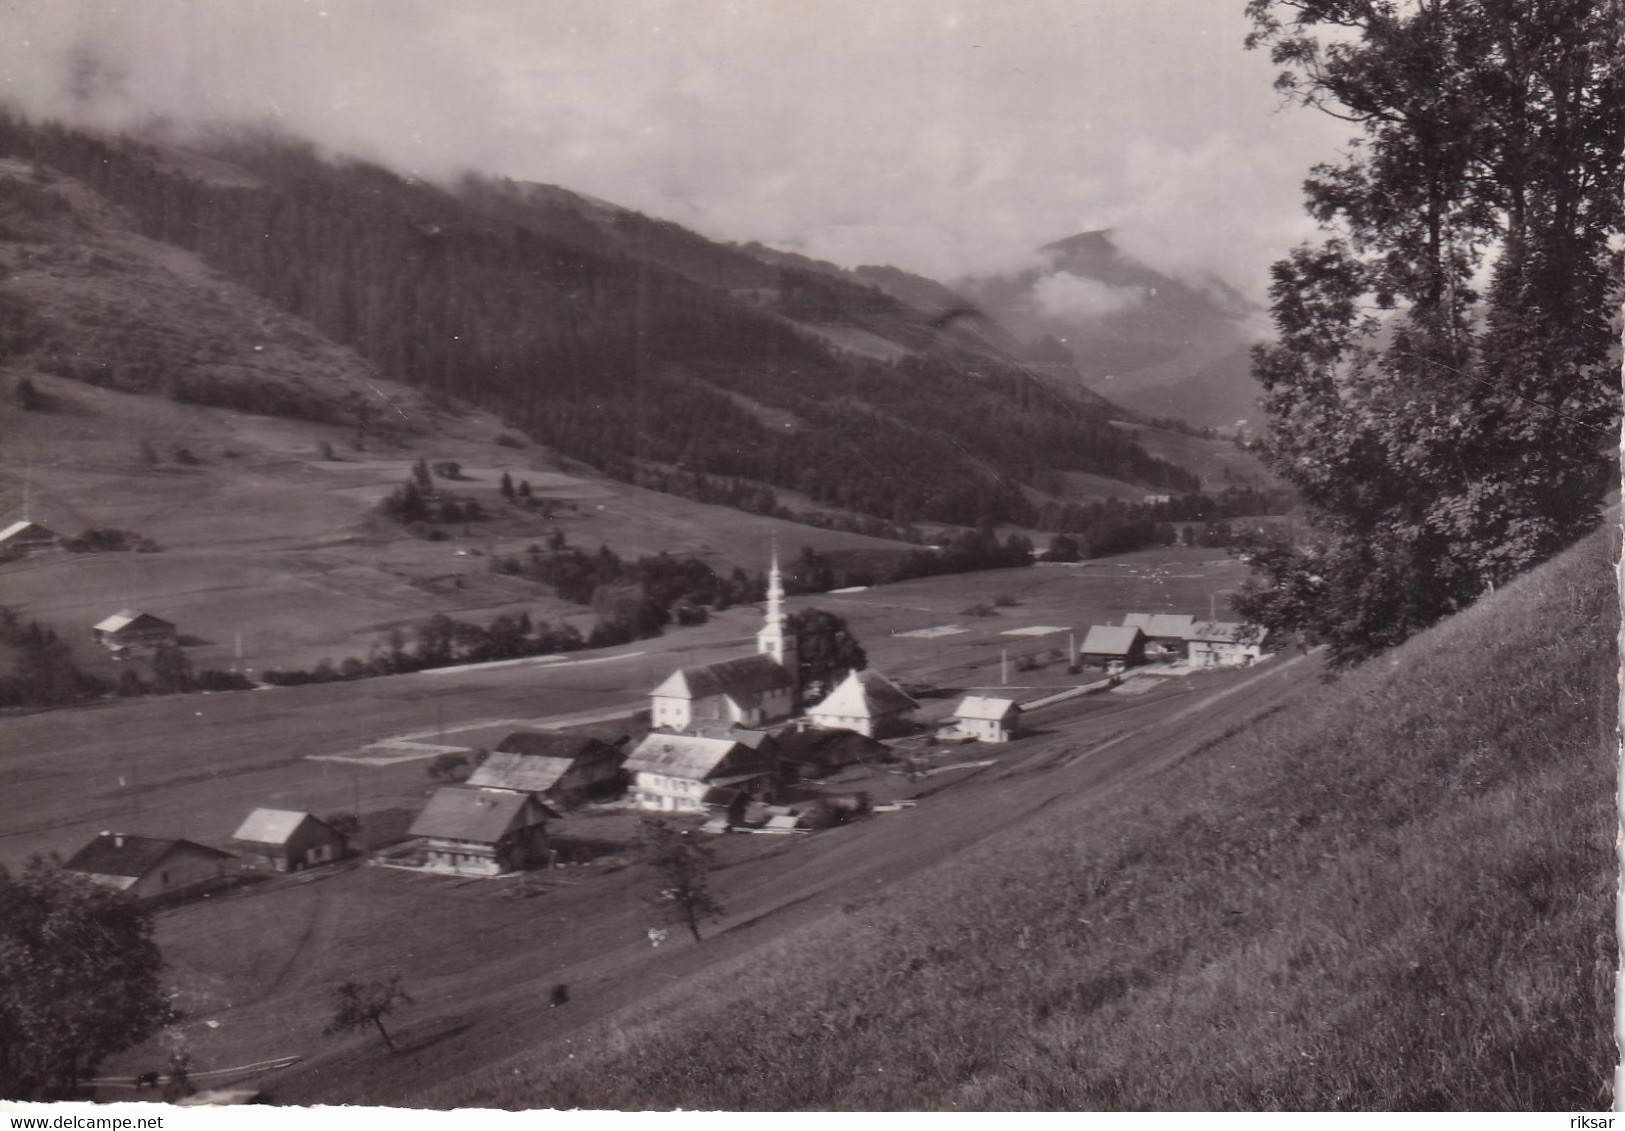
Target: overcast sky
[(944, 136)]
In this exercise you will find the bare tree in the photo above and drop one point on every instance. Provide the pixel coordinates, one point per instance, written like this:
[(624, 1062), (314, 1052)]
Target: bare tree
[(359, 1004), (682, 864)]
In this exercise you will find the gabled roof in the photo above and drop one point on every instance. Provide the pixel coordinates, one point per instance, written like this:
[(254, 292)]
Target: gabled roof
[(549, 744), (119, 854), (745, 736), (986, 707), (481, 815), (23, 526), (528, 773), (865, 694), (274, 826), (835, 747), (1110, 640), (1167, 625), (1226, 632), (690, 756), (741, 679), (126, 617)]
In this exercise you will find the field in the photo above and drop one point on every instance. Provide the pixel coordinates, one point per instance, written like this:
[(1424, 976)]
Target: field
[(272, 557)]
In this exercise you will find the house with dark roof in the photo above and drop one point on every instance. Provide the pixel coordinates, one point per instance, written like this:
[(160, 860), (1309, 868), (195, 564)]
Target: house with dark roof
[(866, 702), (151, 868), (815, 753), (1115, 647), (24, 537), (1164, 632), (987, 719), (689, 772), (129, 628), (288, 840), (1225, 644), (482, 832), (752, 690)]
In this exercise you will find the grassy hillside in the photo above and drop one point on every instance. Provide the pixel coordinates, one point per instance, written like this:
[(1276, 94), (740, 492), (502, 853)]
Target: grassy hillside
[(1398, 894)]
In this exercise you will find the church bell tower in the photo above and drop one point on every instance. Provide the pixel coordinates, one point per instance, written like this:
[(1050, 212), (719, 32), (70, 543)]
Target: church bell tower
[(775, 639)]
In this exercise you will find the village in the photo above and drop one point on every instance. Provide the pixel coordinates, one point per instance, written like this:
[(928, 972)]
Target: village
[(729, 744)]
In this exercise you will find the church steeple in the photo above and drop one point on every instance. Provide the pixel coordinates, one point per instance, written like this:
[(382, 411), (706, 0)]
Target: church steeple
[(775, 639)]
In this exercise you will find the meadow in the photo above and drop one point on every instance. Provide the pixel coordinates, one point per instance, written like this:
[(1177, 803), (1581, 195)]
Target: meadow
[(1396, 893)]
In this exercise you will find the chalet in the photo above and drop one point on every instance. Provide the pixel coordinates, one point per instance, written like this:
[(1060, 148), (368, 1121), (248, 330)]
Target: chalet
[(866, 702), (987, 719), (689, 772), (482, 832), (150, 868), (814, 753), (131, 629), (1164, 632), (752, 691), (564, 770), (24, 537), (288, 840), (1113, 646), (1223, 644)]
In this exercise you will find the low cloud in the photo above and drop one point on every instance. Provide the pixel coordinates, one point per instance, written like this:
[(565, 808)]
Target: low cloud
[(1067, 296)]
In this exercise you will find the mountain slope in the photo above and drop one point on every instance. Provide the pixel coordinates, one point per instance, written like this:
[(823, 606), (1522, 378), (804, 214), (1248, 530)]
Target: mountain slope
[(573, 322), (1397, 893)]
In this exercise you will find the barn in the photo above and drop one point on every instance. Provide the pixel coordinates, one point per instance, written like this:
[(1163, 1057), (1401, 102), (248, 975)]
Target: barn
[(1164, 632), (288, 840), (24, 537), (129, 628), (565, 770), (1115, 647), (151, 868)]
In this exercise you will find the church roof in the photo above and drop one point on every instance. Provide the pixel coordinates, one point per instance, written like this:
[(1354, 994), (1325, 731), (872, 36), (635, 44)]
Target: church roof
[(746, 677), (865, 694)]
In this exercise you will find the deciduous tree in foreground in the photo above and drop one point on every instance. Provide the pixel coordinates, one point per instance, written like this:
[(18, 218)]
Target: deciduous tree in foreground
[(79, 980), (1444, 382), (682, 865), (359, 1004)]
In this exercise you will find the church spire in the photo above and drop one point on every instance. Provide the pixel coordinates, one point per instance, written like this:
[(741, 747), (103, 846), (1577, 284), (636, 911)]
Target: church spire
[(775, 639)]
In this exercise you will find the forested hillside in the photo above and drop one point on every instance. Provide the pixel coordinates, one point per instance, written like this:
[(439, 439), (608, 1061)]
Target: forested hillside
[(521, 304)]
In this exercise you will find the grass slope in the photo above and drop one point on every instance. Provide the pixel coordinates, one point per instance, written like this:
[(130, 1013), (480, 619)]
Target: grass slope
[(1399, 894)]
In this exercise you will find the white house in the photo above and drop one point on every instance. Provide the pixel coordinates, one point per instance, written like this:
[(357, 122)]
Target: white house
[(1214, 644), (866, 702), (678, 772), (987, 719)]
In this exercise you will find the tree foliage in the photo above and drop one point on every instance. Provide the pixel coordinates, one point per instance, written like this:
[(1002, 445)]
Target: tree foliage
[(359, 1004), (79, 980), (825, 648), (682, 865), (1443, 386)]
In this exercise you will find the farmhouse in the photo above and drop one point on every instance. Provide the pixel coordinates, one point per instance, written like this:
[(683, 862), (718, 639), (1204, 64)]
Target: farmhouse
[(565, 770), (753, 691), (1115, 647), (814, 753), (866, 702), (687, 772), (150, 868), (987, 719), (482, 832), (288, 840), (24, 537), (131, 629), (1164, 632), (1224, 644)]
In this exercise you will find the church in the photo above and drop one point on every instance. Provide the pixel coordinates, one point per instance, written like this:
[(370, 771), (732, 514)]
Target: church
[(753, 691)]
